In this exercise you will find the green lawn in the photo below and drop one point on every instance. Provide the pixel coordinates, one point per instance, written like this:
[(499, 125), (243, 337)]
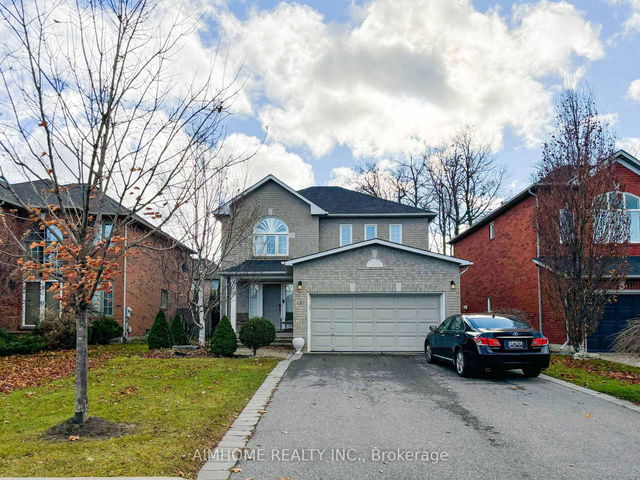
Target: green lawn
[(178, 405), (616, 379)]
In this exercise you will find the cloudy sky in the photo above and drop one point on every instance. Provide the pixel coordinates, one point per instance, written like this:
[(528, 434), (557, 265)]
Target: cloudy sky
[(329, 83)]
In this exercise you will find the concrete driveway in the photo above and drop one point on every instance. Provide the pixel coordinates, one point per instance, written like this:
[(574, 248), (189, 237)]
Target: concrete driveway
[(346, 416)]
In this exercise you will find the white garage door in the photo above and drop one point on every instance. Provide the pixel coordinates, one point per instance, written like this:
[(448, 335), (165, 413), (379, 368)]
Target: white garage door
[(372, 322)]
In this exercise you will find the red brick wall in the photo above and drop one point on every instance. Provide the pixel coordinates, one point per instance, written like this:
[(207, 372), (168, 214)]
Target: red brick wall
[(148, 272), (503, 269)]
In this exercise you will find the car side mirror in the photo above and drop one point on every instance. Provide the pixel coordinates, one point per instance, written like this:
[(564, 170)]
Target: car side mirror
[(433, 328)]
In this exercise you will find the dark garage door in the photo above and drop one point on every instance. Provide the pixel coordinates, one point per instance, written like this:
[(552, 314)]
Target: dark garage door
[(615, 318)]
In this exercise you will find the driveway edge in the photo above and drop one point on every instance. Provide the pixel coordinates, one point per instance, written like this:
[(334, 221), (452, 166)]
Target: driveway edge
[(225, 455), (593, 393)]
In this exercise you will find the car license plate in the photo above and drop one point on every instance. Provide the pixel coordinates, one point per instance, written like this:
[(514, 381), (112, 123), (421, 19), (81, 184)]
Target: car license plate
[(516, 344)]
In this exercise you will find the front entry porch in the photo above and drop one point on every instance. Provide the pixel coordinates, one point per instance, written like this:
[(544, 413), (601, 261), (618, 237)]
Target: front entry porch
[(273, 301)]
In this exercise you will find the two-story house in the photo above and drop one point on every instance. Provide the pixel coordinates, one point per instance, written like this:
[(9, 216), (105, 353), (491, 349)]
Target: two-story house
[(146, 281), (506, 265), (343, 270)]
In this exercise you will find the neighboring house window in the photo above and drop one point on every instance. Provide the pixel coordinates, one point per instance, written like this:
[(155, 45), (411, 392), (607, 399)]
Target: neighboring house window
[(345, 235), (38, 302), (489, 307), (370, 231), (621, 202), (48, 235), (103, 303), (271, 237), (395, 233), (491, 231), (104, 232), (164, 299)]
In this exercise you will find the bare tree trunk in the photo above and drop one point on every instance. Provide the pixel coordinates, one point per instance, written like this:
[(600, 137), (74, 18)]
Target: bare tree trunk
[(203, 327), (82, 366)]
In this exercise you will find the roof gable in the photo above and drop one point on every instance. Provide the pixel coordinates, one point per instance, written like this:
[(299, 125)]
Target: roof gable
[(384, 243), (627, 160), (225, 210)]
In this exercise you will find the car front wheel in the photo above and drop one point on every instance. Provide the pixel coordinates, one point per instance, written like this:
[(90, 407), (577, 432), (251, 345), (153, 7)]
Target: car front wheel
[(531, 372), (428, 354), (462, 366)]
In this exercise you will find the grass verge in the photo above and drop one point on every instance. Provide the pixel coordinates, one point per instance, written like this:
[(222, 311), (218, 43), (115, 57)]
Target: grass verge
[(177, 405), (616, 379)]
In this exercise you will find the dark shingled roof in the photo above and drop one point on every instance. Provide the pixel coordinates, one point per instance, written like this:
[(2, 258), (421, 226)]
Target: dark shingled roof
[(38, 194), (258, 266), (341, 201)]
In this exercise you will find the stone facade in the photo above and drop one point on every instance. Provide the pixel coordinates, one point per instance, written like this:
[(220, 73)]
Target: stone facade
[(347, 272)]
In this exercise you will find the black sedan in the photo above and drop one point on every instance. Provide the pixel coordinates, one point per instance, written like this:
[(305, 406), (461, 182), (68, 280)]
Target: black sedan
[(487, 343)]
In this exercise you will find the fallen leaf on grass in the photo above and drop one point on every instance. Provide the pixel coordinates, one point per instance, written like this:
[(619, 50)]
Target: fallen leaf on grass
[(74, 438)]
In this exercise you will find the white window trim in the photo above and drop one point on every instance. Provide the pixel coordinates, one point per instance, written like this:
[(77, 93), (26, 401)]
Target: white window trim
[(43, 290), (492, 233), (277, 253), (399, 225), (342, 242), (489, 305), (375, 233)]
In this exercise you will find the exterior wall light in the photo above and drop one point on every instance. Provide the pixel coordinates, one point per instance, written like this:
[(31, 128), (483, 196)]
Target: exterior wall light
[(453, 285), (299, 285)]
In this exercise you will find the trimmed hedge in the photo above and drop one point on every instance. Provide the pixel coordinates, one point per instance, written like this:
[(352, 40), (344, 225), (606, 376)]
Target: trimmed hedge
[(103, 330), (257, 332), (20, 344), (178, 335), (159, 335), (224, 342)]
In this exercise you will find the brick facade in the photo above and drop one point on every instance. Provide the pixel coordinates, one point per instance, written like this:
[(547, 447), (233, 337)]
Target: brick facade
[(346, 272), (503, 267), (147, 273)]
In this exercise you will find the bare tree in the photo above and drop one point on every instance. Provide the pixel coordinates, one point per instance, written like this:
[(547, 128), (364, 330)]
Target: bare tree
[(581, 226), (465, 182), (212, 247), (99, 123), (374, 179)]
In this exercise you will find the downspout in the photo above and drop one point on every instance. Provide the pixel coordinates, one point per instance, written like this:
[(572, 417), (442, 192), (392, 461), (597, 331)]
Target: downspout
[(125, 319), (538, 271)]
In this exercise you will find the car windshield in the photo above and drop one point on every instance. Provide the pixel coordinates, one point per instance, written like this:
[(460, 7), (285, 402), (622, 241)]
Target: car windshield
[(492, 323)]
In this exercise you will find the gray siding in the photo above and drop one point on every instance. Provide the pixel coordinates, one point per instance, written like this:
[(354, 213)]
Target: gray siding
[(415, 231), (347, 272)]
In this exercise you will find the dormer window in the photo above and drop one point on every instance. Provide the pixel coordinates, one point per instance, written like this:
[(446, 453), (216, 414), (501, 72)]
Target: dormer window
[(271, 238)]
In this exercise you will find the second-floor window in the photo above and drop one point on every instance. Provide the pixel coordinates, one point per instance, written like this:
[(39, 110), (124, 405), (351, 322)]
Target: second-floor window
[(370, 231), (270, 237), (395, 233), (345, 235)]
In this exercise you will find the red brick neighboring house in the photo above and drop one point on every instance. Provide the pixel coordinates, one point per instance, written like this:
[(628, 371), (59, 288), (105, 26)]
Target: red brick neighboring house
[(148, 280), (505, 275)]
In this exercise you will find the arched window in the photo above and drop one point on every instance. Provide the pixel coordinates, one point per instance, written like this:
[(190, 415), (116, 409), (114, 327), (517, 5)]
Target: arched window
[(630, 204), (271, 237)]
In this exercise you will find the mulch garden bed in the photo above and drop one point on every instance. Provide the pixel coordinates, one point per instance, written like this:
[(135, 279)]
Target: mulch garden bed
[(93, 427)]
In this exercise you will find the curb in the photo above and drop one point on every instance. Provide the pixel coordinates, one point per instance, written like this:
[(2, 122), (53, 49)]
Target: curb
[(225, 455), (593, 393)]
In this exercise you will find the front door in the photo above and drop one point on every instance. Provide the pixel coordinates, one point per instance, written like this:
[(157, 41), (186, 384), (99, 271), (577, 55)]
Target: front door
[(271, 298)]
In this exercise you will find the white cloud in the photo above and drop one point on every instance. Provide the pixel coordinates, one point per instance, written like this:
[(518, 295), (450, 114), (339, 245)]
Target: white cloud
[(632, 23), (405, 73), (634, 90), (265, 159), (343, 177), (631, 145)]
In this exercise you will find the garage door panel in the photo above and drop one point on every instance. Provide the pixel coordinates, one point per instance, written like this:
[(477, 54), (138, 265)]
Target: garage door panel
[(385, 328), (364, 301), (363, 328), (378, 322), (321, 328), (405, 328)]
